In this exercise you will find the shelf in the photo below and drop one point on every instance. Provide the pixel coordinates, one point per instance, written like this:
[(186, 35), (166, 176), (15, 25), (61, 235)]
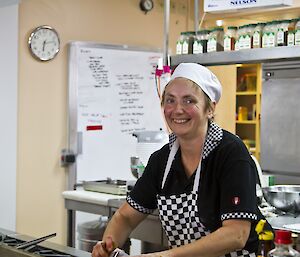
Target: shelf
[(257, 55), (246, 93), (251, 122)]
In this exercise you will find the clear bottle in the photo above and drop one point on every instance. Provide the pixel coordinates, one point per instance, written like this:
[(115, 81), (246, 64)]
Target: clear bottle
[(179, 43), (282, 32), (185, 43), (283, 245), (216, 40), (191, 38), (200, 43), (248, 38), (230, 38), (237, 41), (291, 32), (242, 35), (273, 33), (265, 35), (297, 33), (257, 35)]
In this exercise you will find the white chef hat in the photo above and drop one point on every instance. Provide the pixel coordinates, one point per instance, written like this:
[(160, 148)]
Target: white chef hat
[(202, 76)]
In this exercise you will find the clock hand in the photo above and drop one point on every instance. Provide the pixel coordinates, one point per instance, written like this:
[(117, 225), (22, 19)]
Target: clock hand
[(44, 43), (49, 42)]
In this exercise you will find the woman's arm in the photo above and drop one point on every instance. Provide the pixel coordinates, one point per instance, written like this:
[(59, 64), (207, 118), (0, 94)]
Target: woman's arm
[(231, 236), (118, 230)]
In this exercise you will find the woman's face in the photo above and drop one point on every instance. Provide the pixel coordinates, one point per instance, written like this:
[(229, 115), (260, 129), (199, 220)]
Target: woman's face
[(185, 108)]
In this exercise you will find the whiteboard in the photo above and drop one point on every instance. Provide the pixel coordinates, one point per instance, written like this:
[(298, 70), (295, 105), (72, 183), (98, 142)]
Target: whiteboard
[(112, 93)]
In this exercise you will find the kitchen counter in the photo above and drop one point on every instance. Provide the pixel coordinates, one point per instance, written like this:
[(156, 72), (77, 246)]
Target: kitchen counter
[(107, 204), (91, 202)]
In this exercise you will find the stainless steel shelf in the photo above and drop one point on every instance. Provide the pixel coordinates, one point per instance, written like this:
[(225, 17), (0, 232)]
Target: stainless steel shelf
[(258, 55)]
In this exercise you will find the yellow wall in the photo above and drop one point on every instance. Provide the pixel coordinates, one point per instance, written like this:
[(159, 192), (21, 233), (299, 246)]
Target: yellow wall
[(42, 103)]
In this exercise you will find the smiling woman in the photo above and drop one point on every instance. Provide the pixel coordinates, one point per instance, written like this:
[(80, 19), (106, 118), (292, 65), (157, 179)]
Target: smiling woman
[(202, 181)]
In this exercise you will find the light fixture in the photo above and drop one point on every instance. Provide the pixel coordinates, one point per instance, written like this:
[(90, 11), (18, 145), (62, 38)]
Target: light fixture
[(219, 23)]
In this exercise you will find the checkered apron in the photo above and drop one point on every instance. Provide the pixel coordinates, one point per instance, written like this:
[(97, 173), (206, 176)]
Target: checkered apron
[(179, 213)]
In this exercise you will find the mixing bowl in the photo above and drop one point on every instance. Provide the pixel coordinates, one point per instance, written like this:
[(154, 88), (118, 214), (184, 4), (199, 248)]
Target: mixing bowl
[(283, 197)]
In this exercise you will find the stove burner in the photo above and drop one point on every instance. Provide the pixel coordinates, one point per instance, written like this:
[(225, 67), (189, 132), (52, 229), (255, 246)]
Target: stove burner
[(35, 249)]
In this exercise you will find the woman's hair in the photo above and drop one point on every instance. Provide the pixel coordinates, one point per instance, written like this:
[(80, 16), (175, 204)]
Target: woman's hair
[(208, 102)]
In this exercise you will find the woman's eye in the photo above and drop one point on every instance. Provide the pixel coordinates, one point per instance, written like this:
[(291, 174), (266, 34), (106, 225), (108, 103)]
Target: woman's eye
[(188, 101), (169, 101)]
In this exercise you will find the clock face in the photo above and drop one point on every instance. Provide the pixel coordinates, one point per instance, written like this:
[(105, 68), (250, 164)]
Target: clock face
[(146, 5), (44, 43)]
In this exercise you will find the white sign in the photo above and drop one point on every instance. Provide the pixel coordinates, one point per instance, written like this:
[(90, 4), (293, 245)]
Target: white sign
[(229, 5)]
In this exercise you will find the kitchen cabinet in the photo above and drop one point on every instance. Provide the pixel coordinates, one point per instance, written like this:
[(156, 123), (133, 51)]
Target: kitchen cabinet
[(248, 99)]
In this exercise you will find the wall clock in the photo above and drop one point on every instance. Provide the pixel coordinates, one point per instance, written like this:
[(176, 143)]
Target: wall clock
[(146, 5), (44, 43)]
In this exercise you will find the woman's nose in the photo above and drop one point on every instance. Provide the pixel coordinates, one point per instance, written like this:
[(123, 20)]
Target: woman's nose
[(178, 107)]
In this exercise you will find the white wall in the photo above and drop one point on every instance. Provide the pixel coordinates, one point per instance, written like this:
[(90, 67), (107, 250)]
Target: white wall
[(8, 112)]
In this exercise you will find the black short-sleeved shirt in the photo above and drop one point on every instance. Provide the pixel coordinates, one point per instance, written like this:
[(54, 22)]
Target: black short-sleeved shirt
[(227, 187)]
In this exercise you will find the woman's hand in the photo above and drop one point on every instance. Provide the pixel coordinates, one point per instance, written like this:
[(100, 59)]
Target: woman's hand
[(104, 248), (156, 254)]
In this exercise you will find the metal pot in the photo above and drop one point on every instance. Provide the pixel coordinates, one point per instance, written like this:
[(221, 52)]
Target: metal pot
[(283, 197), (151, 136), (147, 143)]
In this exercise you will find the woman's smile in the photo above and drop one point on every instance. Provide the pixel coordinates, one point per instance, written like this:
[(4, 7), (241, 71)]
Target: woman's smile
[(180, 121)]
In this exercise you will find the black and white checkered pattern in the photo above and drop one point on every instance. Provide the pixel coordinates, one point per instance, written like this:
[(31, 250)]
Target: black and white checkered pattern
[(180, 219), (179, 213), (138, 207), (240, 253), (238, 215), (213, 137)]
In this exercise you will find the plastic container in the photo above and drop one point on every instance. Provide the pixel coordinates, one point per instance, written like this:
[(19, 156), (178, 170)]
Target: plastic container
[(273, 33), (283, 245), (191, 38), (291, 32), (248, 36), (179, 43), (182, 44), (237, 41), (265, 35), (242, 113), (297, 33), (257, 35), (230, 38), (216, 40), (282, 33), (200, 43), (241, 38), (250, 80), (185, 43), (89, 233)]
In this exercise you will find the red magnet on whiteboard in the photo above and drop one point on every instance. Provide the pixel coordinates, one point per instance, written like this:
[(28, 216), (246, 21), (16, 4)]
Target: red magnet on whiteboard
[(94, 127)]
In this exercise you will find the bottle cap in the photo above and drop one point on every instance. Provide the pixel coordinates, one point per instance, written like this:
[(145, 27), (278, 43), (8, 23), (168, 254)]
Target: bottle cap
[(283, 237)]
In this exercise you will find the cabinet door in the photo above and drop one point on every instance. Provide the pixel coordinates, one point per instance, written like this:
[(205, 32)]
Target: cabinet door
[(225, 111), (280, 121)]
